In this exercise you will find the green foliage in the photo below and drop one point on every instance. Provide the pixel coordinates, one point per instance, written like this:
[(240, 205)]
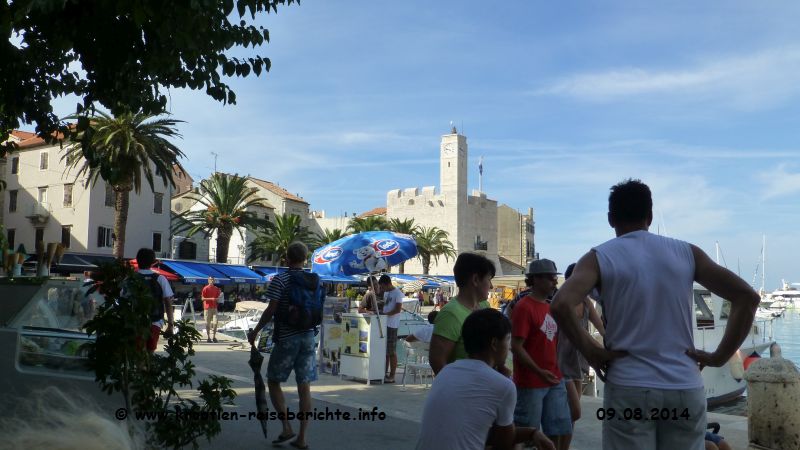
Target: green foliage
[(124, 55), (405, 226), (120, 149), (227, 206), (327, 236), (433, 242), (275, 238), (149, 382), (371, 223), (351, 293)]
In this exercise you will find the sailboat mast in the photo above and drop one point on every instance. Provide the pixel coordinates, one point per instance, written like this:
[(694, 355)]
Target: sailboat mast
[(716, 247), (764, 261)]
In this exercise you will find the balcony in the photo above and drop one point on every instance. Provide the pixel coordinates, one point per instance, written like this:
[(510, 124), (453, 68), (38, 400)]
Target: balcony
[(39, 213)]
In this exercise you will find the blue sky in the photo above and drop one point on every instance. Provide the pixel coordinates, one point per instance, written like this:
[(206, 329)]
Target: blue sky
[(561, 99)]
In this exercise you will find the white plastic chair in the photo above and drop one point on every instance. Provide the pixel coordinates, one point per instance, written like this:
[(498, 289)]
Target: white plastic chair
[(416, 361)]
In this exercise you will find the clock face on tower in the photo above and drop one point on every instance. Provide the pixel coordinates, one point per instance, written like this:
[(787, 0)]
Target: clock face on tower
[(449, 149)]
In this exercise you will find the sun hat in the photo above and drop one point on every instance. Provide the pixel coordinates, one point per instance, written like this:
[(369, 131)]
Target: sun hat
[(542, 266)]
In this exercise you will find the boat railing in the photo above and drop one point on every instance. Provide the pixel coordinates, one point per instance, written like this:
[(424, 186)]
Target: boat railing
[(761, 332)]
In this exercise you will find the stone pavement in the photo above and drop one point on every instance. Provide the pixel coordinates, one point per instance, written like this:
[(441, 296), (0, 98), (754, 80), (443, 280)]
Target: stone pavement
[(403, 409)]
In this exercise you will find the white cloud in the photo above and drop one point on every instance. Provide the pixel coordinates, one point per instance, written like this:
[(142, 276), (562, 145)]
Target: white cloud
[(747, 82), (779, 182)]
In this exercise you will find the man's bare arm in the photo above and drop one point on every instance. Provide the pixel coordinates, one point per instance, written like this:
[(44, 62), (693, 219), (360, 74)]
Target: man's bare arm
[(585, 277), (744, 302), (440, 351), (265, 318)]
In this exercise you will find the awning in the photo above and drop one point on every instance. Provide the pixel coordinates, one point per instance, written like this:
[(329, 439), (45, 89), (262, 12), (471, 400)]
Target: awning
[(71, 263), (170, 276), (239, 274), (194, 272)]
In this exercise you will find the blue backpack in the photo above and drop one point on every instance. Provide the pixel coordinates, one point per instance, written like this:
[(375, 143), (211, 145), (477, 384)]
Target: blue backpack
[(305, 300)]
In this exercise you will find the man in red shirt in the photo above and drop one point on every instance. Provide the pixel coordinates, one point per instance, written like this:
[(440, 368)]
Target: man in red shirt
[(541, 392), (210, 294)]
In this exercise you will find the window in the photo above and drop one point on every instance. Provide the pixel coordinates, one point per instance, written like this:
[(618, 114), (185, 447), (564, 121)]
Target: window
[(39, 236), (12, 200), (105, 237), (11, 237), (15, 165), (187, 250), (158, 203), (67, 195), (43, 161), (156, 242), (66, 235), (109, 195), (42, 196)]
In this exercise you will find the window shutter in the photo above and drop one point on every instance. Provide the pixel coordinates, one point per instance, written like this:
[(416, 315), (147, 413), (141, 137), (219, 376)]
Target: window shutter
[(100, 238)]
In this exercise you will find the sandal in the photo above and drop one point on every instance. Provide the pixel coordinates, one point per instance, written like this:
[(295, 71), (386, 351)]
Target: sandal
[(283, 438)]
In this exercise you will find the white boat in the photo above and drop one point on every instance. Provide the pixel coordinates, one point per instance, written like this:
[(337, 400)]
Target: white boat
[(711, 318), (245, 318), (788, 296)]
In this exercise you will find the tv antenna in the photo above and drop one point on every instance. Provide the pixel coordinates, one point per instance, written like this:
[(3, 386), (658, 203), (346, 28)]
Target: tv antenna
[(215, 161)]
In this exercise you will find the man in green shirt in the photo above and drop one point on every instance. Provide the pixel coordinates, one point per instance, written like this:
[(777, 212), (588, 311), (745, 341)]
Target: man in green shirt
[(473, 274)]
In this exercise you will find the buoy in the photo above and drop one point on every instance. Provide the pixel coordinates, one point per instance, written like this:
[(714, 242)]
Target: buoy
[(751, 359), (737, 366)]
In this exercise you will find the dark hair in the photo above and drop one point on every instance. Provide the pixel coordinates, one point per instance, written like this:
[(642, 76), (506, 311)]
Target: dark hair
[(481, 327), (630, 201), (469, 264), (432, 316), (297, 252), (371, 281), (568, 272), (145, 258), (384, 279), (529, 280)]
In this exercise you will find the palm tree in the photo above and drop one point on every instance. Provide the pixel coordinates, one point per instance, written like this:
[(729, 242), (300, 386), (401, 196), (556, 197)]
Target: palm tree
[(371, 223), (227, 206), (327, 236), (276, 237), (119, 150), (405, 226), (432, 243)]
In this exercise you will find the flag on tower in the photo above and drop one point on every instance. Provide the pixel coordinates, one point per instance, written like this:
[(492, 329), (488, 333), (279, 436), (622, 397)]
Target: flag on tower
[(480, 166)]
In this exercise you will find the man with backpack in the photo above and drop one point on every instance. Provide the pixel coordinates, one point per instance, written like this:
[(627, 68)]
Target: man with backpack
[(295, 300), (162, 294)]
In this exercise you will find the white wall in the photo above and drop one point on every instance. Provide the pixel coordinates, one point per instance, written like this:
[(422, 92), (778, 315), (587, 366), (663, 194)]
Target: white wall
[(87, 211)]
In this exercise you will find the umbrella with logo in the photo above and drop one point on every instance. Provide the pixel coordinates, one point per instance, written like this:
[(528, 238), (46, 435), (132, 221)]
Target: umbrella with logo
[(256, 359), (367, 252)]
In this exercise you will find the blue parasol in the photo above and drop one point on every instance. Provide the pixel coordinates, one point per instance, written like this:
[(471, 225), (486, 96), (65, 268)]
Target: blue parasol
[(368, 252)]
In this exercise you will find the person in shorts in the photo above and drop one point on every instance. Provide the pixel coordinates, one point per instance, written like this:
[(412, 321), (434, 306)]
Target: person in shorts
[(572, 364), (648, 360), (392, 307), (294, 349), (210, 295), (541, 390)]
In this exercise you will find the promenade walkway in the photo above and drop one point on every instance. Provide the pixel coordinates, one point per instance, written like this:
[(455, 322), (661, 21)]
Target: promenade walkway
[(402, 408)]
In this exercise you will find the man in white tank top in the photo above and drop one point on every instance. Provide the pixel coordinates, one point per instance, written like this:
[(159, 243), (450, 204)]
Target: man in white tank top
[(649, 361)]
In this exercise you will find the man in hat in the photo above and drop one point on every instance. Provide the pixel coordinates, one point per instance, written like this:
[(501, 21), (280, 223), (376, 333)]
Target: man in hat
[(541, 392), (646, 288)]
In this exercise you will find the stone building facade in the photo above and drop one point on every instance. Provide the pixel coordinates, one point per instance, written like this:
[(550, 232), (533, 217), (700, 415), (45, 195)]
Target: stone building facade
[(515, 233), (470, 220)]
